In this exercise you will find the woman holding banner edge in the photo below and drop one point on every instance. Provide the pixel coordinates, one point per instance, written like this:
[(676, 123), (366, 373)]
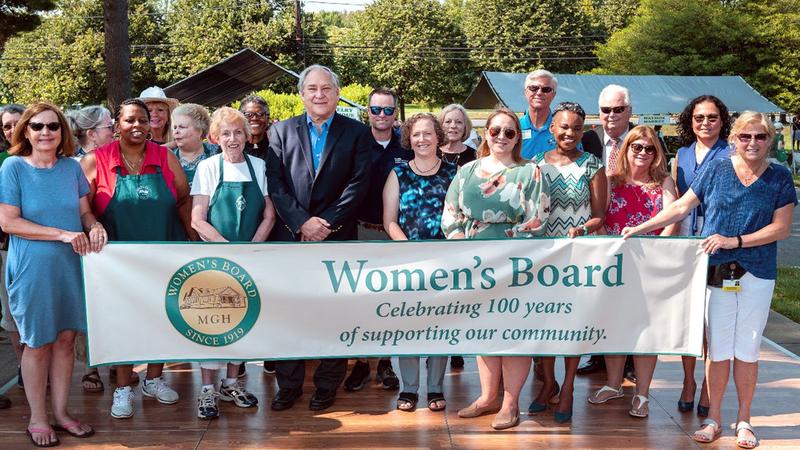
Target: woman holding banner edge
[(500, 195), (229, 204), (748, 205)]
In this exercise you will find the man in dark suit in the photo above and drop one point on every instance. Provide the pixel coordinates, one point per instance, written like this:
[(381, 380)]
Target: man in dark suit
[(317, 173)]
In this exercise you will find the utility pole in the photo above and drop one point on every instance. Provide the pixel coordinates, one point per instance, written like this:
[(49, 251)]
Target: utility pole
[(298, 33), (117, 51)]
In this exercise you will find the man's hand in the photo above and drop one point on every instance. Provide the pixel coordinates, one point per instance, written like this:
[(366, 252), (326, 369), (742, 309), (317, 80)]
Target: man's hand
[(315, 229)]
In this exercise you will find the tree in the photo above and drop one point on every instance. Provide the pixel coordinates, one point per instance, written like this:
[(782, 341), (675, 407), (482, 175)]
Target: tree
[(117, 50), (518, 35), (62, 60), (610, 16), (676, 37), (412, 46), (18, 16)]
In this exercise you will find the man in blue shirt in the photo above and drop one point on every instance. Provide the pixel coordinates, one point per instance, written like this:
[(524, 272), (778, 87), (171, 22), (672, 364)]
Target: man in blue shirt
[(540, 90)]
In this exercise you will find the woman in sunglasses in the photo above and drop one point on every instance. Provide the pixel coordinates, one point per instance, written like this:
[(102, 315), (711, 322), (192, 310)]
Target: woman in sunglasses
[(457, 126), (748, 205), (704, 126), (413, 200), (44, 206), (92, 127), (577, 207), (139, 192), (640, 189), (500, 195)]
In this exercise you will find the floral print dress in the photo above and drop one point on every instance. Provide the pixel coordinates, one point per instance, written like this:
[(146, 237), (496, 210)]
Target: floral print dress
[(507, 203), (631, 205)]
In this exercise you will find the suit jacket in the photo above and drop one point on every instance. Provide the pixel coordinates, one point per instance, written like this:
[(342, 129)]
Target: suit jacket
[(594, 141), (334, 192)]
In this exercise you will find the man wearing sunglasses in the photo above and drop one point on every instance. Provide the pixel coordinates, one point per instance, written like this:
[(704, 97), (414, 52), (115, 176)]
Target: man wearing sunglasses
[(382, 113), (540, 90), (615, 115), (256, 111)]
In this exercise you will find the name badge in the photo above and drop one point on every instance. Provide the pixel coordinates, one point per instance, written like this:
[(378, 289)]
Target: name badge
[(526, 134), (731, 286)]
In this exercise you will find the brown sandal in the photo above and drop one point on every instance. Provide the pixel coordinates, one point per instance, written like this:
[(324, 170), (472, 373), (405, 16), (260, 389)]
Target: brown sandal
[(94, 378)]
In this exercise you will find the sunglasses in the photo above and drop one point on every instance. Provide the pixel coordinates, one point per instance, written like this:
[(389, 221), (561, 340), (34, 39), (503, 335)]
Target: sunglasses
[(699, 118), (250, 115), (509, 133), (744, 138), (615, 109), (52, 126), (648, 149), (534, 89), (387, 110)]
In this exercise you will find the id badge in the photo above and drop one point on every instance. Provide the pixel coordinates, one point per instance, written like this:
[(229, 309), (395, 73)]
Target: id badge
[(731, 286), (526, 134)]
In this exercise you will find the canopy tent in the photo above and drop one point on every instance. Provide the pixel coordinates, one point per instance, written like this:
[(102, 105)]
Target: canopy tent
[(650, 94), (231, 79)]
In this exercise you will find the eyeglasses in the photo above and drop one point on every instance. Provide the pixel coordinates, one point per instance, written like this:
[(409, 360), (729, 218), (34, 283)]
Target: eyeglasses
[(387, 110), (509, 133), (744, 138), (648, 149), (534, 89), (103, 127), (615, 109), (712, 118), (52, 126), (260, 114)]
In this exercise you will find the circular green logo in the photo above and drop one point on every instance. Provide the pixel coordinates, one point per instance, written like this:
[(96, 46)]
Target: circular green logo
[(212, 301)]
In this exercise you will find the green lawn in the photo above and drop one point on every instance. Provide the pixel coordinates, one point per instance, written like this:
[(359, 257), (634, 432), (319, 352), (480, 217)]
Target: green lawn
[(787, 293)]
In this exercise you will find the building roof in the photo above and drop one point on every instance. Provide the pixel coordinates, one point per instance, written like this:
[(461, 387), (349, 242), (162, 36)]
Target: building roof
[(650, 94)]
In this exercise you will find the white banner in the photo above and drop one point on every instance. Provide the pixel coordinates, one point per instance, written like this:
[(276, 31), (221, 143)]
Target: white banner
[(184, 302)]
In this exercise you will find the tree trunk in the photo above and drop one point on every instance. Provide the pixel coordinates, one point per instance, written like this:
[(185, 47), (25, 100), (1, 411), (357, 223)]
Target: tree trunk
[(117, 52)]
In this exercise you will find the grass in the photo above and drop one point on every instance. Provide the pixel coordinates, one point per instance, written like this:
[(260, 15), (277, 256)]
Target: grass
[(787, 293)]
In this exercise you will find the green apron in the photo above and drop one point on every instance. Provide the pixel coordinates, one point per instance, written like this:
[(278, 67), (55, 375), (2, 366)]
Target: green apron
[(237, 207), (142, 209)]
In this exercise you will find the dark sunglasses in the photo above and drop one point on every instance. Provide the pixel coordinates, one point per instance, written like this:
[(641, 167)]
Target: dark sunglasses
[(534, 89), (250, 115), (648, 149), (699, 118), (509, 133), (615, 109), (387, 110), (744, 138), (52, 126)]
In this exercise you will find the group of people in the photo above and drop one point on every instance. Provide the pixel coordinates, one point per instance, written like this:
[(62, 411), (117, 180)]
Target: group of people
[(159, 171)]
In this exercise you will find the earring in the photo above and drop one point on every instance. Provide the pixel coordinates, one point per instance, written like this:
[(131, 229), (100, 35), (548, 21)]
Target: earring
[(149, 136)]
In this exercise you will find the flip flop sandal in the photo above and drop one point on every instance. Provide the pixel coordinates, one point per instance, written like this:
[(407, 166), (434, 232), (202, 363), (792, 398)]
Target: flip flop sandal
[(705, 437), (93, 378), (433, 401), (407, 401), (68, 427), (30, 432), (746, 442), (643, 408), (605, 394)]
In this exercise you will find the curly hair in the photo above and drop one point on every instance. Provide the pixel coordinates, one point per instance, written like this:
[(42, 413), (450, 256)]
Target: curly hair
[(196, 113), (405, 139), (684, 126)]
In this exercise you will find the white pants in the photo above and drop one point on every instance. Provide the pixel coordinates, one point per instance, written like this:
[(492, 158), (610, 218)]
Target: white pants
[(735, 321)]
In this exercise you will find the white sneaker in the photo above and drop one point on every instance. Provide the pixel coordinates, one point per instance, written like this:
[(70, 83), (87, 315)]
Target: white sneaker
[(123, 403), (159, 389)]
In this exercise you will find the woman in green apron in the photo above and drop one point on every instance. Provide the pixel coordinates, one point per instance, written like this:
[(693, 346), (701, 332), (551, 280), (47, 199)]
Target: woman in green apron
[(138, 192), (229, 204)]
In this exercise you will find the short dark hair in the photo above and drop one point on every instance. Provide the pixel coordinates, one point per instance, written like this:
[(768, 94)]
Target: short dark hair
[(685, 119), (130, 101), (382, 91), (405, 139), (257, 99), (570, 106)]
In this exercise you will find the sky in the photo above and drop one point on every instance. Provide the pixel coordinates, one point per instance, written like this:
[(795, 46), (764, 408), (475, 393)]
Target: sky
[(335, 5)]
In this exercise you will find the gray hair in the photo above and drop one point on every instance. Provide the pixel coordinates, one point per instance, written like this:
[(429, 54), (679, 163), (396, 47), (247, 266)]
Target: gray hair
[(456, 107), (257, 99), (198, 115), (541, 73), (12, 109), (615, 89), (302, 78), (85, 119)]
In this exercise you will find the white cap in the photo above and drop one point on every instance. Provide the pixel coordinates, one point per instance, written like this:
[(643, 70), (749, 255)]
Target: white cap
[(156, 94)]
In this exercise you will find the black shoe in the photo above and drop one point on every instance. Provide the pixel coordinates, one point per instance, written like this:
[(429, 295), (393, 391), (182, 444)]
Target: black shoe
[(358, 377), (269, 367), (386, 375), (5, 403), (285, 398), (242, 371), (322, 399), (595, 364), (456, 362)]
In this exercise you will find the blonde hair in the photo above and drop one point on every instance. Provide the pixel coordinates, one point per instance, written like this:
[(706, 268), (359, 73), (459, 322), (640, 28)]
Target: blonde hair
[(467, 122), (750, 118), (516, 153), (227, 114), (658, 166), (195, 112)]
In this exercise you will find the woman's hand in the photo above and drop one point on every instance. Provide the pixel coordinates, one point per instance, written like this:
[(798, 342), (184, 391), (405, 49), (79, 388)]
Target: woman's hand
[(575, 232), (98, 237), (79, 241), (629, 232), (715, 242)]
